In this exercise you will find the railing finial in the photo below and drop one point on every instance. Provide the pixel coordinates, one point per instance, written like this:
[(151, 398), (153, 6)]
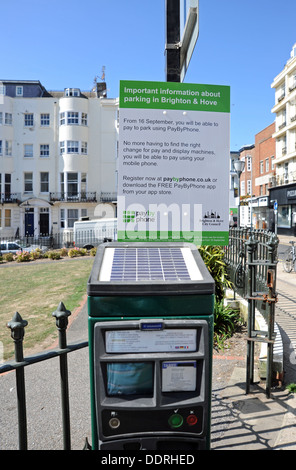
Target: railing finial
[(61, 314), (17, 327)]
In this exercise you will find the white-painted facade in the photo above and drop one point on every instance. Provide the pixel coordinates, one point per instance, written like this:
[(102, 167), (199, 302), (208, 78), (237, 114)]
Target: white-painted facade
[(284, 85), (58, 154)]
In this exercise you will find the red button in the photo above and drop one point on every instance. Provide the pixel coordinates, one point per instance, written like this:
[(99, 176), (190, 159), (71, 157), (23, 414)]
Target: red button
[(191, 420)]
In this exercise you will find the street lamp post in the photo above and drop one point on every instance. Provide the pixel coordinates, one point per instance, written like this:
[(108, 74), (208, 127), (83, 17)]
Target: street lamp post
[(239, 166)]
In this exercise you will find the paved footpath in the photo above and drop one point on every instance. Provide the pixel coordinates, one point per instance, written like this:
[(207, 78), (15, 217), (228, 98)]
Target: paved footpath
[(254, 422)]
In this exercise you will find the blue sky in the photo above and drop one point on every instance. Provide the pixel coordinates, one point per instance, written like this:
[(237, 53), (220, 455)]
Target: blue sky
[(65, 43)]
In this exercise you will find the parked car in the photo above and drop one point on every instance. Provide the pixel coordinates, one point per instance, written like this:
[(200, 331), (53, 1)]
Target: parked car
[(14, 247), (9, 247)]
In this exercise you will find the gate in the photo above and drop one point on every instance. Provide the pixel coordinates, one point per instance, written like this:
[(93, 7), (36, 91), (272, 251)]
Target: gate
[(251, 257)]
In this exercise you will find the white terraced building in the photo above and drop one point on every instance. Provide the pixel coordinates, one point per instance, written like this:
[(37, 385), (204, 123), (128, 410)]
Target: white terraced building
[(58, 154), (283, 182)]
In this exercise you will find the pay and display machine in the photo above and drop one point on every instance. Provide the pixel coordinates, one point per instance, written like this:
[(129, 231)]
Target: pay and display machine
[(150, 335)]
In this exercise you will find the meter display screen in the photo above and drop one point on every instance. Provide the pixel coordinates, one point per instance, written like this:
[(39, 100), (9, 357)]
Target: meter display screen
[(129, 378)]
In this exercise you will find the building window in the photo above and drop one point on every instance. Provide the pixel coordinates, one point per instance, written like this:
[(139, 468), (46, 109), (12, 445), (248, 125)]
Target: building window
[(249, 163), (1, 148), (44, 182), (84, 119), (7, 218), (7, 185), (286, 172), (19, 91), (28, 187), (72, 118), (84, 148), (249, 187), (45, 119), (71, 92), (8, 119), (272, 162), (249, 215), (72, 146), (8, 148), (261, 167), (72, 217), (72, 189), (44, 150), (243, 190), (68, 217), (28, 150), (83, 183), (62, 147), (267, 165), (29, 120), (2, 90), (62, 218), (62, 119)]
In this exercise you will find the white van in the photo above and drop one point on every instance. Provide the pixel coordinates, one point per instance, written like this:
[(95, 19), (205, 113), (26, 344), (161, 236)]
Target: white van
[(90, 233)]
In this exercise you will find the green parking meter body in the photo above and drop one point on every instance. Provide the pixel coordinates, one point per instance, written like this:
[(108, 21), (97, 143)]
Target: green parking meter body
[(150, 344)]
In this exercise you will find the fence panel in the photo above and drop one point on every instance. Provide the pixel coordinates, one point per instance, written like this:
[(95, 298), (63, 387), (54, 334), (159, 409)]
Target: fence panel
[(17, 326), (251, 258)]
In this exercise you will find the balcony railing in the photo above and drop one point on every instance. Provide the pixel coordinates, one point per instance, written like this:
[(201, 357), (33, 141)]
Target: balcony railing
[(108, 197), (16, 198), (73, 197), (280, 180), (6, 198), (281, 126)]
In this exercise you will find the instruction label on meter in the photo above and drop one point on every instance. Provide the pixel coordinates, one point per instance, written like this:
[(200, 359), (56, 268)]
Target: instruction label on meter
[(179, 376), (136, 341)]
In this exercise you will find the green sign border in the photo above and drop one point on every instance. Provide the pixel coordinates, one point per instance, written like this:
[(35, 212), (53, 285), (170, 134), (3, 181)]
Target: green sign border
[(174, 95)]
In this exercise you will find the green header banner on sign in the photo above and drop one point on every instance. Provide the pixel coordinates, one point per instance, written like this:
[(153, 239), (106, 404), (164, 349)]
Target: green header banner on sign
[(170, 95)]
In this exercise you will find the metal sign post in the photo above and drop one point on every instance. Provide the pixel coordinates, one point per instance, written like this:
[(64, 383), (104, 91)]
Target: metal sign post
[(275, 209), (181, 36)]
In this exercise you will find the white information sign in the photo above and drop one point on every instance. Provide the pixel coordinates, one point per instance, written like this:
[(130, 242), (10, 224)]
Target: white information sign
[(137, 341), (173, 165)]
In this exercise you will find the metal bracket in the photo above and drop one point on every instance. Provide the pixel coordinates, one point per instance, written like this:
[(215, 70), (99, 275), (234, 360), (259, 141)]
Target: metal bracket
[(261, 336), (263, 297), (177, 45)]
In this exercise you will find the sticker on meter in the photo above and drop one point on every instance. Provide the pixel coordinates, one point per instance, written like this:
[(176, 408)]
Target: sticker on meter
[(179, 376)]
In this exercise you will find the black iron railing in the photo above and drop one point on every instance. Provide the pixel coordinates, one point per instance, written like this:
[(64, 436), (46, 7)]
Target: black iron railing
[(17, 326), (73, 197), (9, 198), (251, 257)]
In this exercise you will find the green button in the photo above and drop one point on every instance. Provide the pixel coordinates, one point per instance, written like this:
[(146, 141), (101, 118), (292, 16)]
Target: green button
[(176, 420)]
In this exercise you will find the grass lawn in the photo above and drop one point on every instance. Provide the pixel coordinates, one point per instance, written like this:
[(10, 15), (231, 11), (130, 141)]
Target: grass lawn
[(35, 290)]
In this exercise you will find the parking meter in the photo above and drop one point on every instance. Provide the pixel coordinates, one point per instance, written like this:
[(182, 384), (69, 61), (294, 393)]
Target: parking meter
[(151, 337)]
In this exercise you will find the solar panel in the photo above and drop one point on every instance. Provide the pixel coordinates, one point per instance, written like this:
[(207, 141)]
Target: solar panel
[(134, 264)]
